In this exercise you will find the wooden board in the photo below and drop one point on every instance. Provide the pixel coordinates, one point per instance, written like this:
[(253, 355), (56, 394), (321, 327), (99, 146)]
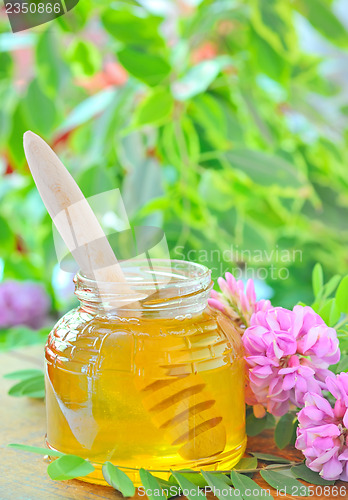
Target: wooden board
[(23, 475)]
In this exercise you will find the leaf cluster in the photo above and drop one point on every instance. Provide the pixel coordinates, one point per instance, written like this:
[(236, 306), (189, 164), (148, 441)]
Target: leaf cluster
[(331, 303), (227, 484), (217, 105), (31, 384)]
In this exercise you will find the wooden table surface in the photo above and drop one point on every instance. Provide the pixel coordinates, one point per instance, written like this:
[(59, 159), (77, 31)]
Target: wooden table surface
[(23, 475)]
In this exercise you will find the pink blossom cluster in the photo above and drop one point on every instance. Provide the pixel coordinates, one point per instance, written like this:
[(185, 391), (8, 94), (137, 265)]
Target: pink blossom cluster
[(23, 303), (322, 434), (288, 354), (236, 302)]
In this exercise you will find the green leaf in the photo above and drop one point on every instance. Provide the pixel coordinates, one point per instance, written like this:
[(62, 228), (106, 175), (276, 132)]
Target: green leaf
[(343, 364), (84, 58), (215, 191), (266, 58), (48, 63), (334, 314), (33, 387), (303, 472), (343, 339), (23, 374), (131, 29), (40, 109), (95, 180), (179, 140), (274, 21), (151, 485), (246, 463), (317, 279), (246, 485), (294, 433), (188, 486), (255, 426), (280, 481), (331, 285), (265, 169), (222, 477), (15, 140), (7, 239), (198, 78), (326, 311), (196, 479), (342, 296), (190, 140), (22, 336), (165, 485), (216, 119), (149, 68), (69, 467), (118, 479), (6, 65), (219, 485), (284, 430), (155, 108), (319, 13), (270, 421), (88, 109), (270, 458), (36, 449)]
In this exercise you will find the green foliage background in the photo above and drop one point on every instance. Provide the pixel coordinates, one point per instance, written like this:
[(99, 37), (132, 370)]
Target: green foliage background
[(212, 118)]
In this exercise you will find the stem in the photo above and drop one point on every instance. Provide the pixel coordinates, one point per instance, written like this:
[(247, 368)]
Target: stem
[(280, 466), (189, 471), (342, 322)]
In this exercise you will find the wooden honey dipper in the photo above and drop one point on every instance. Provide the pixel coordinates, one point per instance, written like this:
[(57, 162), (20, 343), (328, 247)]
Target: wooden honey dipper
[(71, 212), (74, 218)]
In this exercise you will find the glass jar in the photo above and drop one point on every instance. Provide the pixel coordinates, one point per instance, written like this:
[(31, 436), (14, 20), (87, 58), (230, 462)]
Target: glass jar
[(157, 384)]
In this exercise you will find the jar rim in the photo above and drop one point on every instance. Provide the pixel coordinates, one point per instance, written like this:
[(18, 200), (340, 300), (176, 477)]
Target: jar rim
[(180, 272), (154, 285)]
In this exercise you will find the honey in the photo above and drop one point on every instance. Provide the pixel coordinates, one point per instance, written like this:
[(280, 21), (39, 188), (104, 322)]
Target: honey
[(159, 387)]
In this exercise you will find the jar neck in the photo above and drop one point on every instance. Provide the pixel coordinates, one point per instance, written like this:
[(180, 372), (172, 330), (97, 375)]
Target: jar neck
[(155, 289)]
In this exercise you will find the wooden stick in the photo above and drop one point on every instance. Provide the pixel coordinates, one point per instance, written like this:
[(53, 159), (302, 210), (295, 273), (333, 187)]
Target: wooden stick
[(71, 212)]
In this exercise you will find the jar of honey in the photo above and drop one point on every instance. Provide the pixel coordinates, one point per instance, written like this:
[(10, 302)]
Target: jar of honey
[(155, 384)]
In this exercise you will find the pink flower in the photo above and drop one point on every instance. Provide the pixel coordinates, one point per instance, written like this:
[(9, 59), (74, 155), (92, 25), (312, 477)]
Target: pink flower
[(23, 303), (322, 432), (240, 305), (288, 354)]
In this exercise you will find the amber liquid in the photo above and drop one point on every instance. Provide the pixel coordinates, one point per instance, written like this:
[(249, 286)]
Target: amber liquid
[(157, 394)]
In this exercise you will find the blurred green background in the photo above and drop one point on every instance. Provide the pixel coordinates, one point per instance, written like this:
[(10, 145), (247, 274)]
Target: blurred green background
[(222, 122)]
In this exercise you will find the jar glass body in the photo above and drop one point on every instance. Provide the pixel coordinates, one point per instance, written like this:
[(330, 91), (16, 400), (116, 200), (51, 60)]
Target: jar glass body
[(158, 384)]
